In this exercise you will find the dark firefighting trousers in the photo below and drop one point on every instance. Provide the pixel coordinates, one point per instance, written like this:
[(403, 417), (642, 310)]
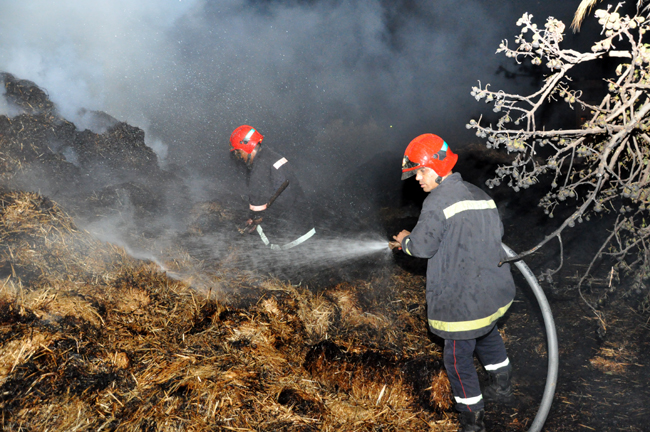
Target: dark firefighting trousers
[(459, 362)]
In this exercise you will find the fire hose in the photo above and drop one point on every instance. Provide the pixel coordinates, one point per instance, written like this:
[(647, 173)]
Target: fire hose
[(551, 337)]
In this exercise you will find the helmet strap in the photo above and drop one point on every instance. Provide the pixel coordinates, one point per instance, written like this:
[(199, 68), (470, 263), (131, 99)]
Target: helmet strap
[(248, 161), (439, 180), (250, 156)]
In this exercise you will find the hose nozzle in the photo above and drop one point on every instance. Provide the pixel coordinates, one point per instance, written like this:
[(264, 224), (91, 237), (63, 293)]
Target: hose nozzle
[(394, 244)]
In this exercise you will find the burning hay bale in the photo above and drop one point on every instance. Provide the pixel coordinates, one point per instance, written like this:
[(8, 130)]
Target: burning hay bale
[(38, 241), (38, 134), (92, 173)]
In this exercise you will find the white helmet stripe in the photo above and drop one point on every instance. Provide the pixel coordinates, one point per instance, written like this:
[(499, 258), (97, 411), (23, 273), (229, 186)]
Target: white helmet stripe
[(249, 135)]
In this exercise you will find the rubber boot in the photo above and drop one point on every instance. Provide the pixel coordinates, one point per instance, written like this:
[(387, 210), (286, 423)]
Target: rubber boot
[(471, 421), (500, 388)]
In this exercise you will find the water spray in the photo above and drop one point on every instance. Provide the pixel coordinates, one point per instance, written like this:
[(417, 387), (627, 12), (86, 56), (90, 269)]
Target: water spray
[(318, 252)]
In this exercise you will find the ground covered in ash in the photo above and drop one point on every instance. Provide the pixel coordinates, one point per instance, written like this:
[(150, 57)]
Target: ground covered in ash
[(162, 333)]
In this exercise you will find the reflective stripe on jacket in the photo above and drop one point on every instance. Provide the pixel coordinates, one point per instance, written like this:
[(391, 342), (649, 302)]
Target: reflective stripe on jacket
[(289, 217), (459, 231)]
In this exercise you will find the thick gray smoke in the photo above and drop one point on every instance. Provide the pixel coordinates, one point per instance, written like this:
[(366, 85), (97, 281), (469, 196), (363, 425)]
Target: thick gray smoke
[(331, 83), (338, 87)]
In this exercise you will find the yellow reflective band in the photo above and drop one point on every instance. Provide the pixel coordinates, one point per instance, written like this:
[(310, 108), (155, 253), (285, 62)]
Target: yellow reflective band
[(406, 247), (248, 136), (460, 326), (461, 206), (294, 243)]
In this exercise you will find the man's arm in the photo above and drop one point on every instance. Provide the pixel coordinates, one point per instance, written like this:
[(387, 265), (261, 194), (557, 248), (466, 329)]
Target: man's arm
[(277, 193), (425, 239)]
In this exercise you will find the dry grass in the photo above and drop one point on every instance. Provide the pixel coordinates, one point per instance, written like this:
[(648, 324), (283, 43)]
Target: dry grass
[(614, 357), (92, 339), (18, 351), (441, 396)]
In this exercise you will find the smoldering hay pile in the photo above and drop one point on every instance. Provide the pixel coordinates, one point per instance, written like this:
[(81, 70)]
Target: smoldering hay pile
[(102, 170), (94, 339)]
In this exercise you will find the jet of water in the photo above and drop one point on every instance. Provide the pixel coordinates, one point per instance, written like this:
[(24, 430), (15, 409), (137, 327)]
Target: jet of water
[(315, 253)]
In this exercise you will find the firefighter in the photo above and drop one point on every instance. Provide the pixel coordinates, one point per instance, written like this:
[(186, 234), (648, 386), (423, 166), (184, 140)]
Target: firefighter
[(279, 212), (459, 231)]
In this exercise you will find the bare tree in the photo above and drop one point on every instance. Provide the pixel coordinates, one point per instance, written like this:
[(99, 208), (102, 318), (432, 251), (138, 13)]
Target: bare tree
[(602, 165)]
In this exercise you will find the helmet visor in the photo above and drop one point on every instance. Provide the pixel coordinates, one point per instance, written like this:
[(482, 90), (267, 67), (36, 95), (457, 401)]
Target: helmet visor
[(409, 174), (409, 168)]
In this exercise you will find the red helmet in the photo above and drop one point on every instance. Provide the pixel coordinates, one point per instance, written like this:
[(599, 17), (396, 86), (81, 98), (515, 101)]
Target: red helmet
[(245, 138), (431, 151)]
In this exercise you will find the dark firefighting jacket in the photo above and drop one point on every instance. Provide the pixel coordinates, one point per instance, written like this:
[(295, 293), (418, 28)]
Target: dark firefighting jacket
[(287, 222), (459, 230)]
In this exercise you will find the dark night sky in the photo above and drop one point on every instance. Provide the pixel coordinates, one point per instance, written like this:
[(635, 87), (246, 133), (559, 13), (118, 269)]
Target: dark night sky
[(330, 83)]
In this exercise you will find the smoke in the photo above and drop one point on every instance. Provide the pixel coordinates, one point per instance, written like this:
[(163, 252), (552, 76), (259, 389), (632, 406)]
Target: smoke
[(81, 53), (338, 87), (329, 82)]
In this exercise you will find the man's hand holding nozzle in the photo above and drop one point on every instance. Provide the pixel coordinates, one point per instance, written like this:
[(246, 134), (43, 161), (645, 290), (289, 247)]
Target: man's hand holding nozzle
[(398, 240), (251, 225)]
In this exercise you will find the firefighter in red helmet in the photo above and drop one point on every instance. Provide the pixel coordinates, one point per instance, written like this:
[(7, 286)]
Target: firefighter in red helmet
[(459, 231), (279, 211)]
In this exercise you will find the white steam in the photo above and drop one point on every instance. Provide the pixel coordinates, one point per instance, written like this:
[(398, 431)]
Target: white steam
[(86, 55), (189, 71)]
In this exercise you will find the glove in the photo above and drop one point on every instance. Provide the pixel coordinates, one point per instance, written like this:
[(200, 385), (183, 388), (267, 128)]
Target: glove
[(251, 225)]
